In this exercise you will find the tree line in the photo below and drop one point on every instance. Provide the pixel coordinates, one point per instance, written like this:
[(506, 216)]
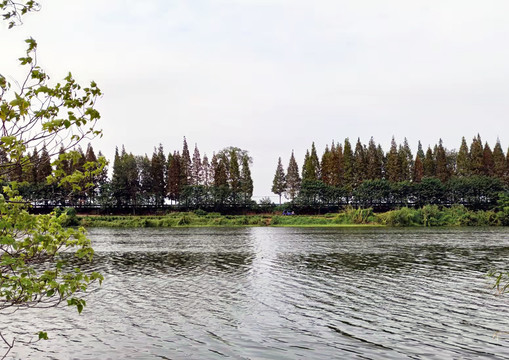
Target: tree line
[(189, 182), (365, 175), (177, 179)]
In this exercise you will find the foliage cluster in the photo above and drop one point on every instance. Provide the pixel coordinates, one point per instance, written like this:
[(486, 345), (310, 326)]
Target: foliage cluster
[(38, 113), (224, 181), (367, 176)]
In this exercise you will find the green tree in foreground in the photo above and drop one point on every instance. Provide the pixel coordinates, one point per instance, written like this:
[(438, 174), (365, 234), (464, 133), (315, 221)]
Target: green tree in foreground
[(34, 248)]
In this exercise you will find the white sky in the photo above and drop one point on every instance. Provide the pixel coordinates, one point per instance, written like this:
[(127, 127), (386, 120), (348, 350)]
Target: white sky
[(270, 76)]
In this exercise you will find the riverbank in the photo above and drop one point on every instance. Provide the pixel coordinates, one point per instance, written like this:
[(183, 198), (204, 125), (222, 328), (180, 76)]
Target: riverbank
[(431, 215)]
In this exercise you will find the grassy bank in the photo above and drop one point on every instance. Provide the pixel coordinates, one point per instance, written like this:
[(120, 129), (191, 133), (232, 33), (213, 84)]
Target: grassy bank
[(431, 215), (178, 219)]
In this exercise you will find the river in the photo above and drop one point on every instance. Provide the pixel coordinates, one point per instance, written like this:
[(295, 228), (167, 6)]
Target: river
[(283, 293)]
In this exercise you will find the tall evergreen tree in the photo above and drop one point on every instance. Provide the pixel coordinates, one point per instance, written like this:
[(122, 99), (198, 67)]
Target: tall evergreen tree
[(420, 151), (144, 165), (118, 180), (409, 160), (393, 163), (246, 182), (441, 169), (132, 177), (383, 160), (33, 169), (234, 176), (463, 159), (92, 181), (206, 173), (64, 164), (403, 165), (279, 182), (197, 168), (174, 177), (476, 156), (374, 162), (499, 161), (327, 167), (315, 161), (159, 175), (418, 170), (220, 172), (292, 178), (308, 169), (214, 164), (185, 165), (487, 161), (360, 163), (429, 164), (336, 171), (348, 165), (44, 169)]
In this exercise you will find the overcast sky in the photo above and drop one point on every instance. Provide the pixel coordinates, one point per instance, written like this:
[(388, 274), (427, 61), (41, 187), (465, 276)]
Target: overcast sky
[(270, 76)]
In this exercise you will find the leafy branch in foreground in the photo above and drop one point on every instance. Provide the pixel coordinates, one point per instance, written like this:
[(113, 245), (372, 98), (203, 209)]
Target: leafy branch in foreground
[(37, 114), (14, 10), (33, 272), (37, 251)]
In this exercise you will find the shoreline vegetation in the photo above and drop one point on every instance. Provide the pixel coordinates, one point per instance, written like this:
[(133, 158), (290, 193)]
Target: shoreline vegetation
[(429, 215)]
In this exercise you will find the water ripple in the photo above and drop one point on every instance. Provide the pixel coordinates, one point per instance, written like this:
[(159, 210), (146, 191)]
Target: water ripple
[(283, 294)]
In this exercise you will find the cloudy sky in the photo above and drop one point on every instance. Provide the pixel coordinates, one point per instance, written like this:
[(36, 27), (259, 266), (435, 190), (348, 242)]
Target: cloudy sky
[(270, 76)]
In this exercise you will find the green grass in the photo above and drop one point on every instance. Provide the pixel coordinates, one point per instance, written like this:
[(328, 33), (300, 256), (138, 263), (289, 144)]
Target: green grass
[(187, 219), (430, 215)]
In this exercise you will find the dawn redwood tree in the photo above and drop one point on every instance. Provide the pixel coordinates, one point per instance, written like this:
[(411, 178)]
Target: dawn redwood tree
[(463, 159), (234, 176), (309, 168), (441, 169), (429, 164), (206, 173), (420, 151), (33, 272), (246, 182), (92, 180), (186, 165), (393, 163), (404, 167), (279, 181), (174, 177), (409, 160), (418, 170), (476, 156), (487, 161), (197, 168), (221, 188), (327, 173), (374, 162), (336, 171), (360, 163), (313, 156), (348, 166), (159, 174), (499, 161), (293, 180), (44, 168), (145, 179)]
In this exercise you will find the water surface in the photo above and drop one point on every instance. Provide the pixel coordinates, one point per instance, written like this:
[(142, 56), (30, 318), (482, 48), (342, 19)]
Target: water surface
[(283, 293)]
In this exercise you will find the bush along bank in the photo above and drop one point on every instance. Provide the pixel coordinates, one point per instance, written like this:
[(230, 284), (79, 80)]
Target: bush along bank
[(429, 215)]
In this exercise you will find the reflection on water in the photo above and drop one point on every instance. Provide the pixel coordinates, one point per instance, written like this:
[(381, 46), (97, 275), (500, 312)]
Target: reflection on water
[(279, 293)]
